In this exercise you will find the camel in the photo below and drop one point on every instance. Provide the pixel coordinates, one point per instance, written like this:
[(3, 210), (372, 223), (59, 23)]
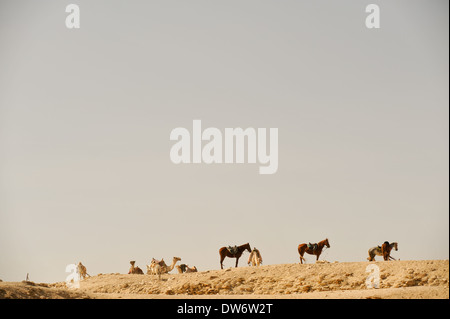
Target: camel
[(181, 268), (135, 270), (151, 268), (193, 269), (164, 268), (82, 272), (255, 258)]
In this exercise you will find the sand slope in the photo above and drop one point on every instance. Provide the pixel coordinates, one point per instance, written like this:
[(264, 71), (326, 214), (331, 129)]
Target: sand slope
[(398, 279)]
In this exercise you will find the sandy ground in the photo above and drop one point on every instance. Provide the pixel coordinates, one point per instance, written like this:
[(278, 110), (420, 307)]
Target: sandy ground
[(424, 279)]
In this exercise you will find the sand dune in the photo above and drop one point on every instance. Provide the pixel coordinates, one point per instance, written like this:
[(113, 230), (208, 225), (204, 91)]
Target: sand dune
[(398, 279)]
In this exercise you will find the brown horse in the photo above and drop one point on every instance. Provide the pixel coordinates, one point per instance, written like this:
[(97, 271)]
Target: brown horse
[(224, 252), (303, 248), (386, 250)]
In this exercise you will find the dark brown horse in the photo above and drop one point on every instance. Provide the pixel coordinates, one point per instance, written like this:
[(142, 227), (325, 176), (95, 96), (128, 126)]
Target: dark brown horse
[(386, 250), (224, 252), (303, 248)]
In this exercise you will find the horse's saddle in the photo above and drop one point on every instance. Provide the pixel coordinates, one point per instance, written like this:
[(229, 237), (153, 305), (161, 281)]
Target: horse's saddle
[(313, 247), (232, 250)]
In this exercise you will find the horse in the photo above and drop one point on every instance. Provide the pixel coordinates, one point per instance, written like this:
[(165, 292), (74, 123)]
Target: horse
[(304, 248), (377, 251), (224, 252), (386, 250), (193, 269), (255, 258)]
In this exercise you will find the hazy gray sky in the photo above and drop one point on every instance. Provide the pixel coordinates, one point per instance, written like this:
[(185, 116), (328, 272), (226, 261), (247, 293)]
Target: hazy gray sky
[(85, 118)]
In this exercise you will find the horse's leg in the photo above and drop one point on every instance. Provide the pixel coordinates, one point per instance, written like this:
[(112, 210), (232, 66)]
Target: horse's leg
[(237, 260), (301, 258), (300, 252), (221, 261)]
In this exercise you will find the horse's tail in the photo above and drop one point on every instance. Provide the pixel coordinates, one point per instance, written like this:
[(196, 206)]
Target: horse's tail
[(302, 258)]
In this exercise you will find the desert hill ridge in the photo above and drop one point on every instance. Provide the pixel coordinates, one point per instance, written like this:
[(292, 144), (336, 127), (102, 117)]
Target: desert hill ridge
[(398, 279)]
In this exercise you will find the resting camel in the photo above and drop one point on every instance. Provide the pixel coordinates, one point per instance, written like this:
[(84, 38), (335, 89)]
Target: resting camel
[(255, 257), (135, 270), (82, 271), (164, 268), (181, 268), (193, 269), (151, 269), (377, 251)]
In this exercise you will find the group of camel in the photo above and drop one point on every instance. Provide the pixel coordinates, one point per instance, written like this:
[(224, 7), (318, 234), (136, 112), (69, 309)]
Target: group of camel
[(159, 267), (156, 267)]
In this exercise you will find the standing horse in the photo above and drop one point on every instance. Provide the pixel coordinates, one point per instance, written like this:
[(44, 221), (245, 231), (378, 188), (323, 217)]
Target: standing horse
[(386, 250), (304, 248), (376, 251), (224, 252)]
